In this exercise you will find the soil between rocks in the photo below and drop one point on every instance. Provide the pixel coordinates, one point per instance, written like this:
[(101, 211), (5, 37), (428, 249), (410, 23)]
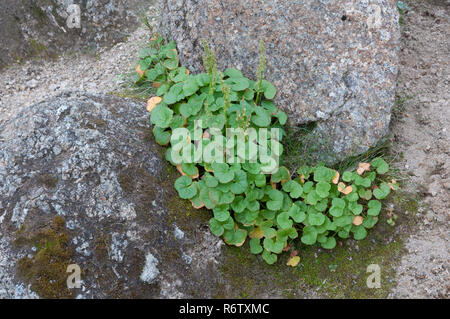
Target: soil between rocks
[(421, 129)]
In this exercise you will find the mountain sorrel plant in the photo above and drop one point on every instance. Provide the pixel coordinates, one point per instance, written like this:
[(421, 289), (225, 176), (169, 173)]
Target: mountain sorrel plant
[(271, 208)]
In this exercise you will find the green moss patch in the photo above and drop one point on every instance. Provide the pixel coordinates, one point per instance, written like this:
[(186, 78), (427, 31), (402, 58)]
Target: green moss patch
[(46, 270)]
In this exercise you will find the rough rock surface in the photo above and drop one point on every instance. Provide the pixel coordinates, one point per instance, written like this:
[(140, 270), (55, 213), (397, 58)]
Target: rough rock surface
[(333, 62), (40, 26), (89, 160)]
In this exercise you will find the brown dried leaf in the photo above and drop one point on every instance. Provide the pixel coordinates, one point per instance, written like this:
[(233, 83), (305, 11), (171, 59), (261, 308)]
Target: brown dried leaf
[(153, 102), (363, 167), (358, 220), (344, 189), (335, 179), (347, 190), (139, 70)]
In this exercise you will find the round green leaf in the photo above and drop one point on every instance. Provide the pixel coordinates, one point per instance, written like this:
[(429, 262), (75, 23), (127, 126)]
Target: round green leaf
[(284, 221), (240, 182), (380, 164), (355, 208), (162, 137), (220, 214), (347, 176), (272, 245), (323, 189), (255, 246), (316, 219), (262, 117), (297, 214), (239, 83), (222, 172), (382, 191), (161, 116), (309, 235), (330, 243), (374, 207), (312, 198), (269, 257), (365, 193), (216, 227), (336, 211), (359, 232), (269, 90), (294, 189), (323, 174), (338, 203), (276, 201), (185, 188)]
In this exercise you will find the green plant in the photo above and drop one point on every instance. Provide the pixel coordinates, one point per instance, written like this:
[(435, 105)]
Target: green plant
[(271, 208)]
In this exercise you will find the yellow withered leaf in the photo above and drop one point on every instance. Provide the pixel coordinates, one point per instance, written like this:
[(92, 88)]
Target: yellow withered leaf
[(302, 179), (293, 261), (335, 179), (139, 70), (363, 167), (256, 233), (187, 71), (358, 220), (153, 102)]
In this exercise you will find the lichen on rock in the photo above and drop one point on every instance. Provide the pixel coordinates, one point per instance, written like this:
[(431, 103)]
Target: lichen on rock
[(150, 271)]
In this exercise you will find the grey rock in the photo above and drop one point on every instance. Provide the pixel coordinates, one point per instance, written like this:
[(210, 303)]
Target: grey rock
[(178, 233), (108, 181), (40, 27), (32, 84), (333, 62), (150, 271)]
